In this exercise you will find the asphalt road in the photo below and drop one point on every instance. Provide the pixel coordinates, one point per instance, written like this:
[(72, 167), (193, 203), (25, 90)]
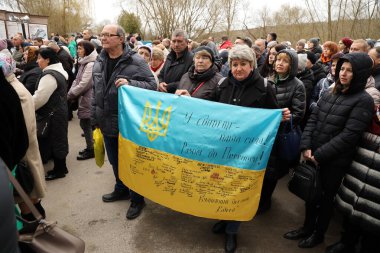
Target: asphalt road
[(75, 202)]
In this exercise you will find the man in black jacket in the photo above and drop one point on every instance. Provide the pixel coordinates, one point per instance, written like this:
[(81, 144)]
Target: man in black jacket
[(115, 66), (177, 63)]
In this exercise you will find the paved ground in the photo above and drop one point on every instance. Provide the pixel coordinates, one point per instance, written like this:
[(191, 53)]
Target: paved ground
[(75, 202)]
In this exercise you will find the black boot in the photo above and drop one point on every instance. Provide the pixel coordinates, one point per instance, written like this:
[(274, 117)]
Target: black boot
[(231, 243), (311, 241), (87, 154), (340, 247), (59, 171)]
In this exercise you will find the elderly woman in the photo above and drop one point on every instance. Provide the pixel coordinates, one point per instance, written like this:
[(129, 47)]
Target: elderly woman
[(329, 140), (82, 90), (202, 78), (50, 101), (329, 49), (32, 158), (146, 53), (31, 69), (243, 87), (157, 61)]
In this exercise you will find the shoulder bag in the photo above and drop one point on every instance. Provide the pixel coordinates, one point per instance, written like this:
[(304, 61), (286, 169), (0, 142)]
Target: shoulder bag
[(288, 142), (46, 237), (305, 182)]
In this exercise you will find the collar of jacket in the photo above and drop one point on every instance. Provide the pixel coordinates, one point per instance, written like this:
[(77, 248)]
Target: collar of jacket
[(125, 56)]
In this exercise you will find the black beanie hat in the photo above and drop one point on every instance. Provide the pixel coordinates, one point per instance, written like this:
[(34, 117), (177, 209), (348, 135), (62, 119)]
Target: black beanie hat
[(312, 57), (206, 48)]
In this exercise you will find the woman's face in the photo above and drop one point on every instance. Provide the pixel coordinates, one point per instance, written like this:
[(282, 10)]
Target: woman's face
[(310, 45), (327, 52), (202, 63), (81, 52), (25, 55), (341, 46), (145, 54), (241, 69), (272, 55), (155, 62), (282, 64), (42, 63), (333, 66), (346, 74)]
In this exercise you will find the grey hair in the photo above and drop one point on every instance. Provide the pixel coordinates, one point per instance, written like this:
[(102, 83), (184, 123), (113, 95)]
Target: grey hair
[(120, 31), (180, 33), (242, 52)]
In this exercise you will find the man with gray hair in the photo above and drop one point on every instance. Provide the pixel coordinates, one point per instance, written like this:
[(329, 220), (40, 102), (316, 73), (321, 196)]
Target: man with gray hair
[(359, 45), (177, 63), (117, 65)]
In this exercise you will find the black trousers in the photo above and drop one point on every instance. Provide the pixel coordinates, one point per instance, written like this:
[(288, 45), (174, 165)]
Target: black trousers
[(318, 215)]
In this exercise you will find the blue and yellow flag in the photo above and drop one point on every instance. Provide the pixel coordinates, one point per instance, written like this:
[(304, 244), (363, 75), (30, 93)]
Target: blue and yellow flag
[(198, 157)]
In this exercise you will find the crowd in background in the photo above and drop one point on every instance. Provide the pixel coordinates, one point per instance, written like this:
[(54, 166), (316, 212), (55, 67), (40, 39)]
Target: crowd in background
[(330, 90)]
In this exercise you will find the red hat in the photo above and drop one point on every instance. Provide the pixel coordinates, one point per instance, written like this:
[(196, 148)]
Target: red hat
[(347, 41)]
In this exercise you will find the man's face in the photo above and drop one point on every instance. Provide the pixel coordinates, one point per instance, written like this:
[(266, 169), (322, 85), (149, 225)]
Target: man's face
[(357, 47), (178, 44), (239, 42), (375, 57), (269, 37), (109, 37), (17, 41), (86, 35), (261, 45)]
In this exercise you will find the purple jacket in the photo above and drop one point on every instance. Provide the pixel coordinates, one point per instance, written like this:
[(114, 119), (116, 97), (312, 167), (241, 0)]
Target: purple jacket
[(82, 86)]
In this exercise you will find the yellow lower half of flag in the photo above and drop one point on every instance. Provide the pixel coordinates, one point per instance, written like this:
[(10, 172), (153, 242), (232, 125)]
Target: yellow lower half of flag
[(189, 186)]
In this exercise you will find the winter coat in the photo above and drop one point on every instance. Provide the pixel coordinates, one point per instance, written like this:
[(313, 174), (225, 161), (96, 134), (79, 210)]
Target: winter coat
[(372, 91), (13, 133), (376, 75), (30, 76), (51, 96), (337, 123), (104, 105), (252, 92), (319, 72), (226, 45), (174, 69), (322, 86), (32, 156), (290, 93), (358, 197), (82, 86), (307, 78), (67, 63), (190, 81)]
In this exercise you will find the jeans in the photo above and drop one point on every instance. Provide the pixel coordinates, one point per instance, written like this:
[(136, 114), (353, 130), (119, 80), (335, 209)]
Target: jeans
[(111, 145), (85, 124)]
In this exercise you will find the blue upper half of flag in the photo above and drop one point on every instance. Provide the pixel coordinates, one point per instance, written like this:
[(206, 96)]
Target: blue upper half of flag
[(198, 129)]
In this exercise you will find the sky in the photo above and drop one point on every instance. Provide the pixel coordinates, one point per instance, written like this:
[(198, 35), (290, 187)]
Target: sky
[(109, 9)]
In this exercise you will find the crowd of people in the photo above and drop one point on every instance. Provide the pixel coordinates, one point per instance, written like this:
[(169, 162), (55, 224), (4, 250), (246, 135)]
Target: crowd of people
[(329, 90)]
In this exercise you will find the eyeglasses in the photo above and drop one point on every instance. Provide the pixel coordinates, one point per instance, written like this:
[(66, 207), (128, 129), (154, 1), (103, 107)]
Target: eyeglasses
[(107, 35)]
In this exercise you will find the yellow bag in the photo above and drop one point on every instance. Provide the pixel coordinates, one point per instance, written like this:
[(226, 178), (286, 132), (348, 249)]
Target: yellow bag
[(98, 147)]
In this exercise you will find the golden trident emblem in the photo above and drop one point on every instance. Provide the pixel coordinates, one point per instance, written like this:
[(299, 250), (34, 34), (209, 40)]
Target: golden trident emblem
[(154, 127)]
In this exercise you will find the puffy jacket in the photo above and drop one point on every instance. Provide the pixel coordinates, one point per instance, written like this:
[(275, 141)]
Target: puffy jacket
[(104, 108), (174, 69), (318, 90), (307, 78), (30, 76), (190, 81), (290, 92), (82, 85), (376, 75), (337, 123), (359, 195), (252, 92), (319, 72)]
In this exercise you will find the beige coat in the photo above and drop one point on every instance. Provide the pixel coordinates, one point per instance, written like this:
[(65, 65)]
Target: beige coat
[(32, 155)]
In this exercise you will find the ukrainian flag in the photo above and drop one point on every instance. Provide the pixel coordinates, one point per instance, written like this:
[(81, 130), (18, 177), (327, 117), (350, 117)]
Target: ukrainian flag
[(194, 156)]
